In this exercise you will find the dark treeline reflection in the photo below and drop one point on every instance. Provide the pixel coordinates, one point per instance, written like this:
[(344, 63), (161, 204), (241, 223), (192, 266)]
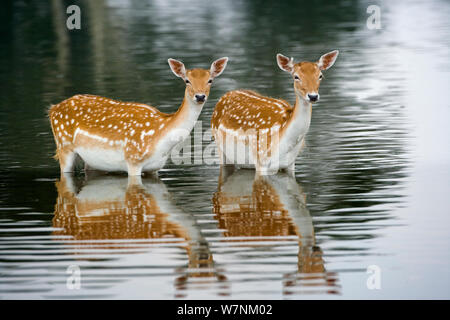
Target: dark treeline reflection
[(122, 51)]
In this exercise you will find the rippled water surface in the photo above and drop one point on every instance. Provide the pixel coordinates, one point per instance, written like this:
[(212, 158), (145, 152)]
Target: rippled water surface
[(370, 188)]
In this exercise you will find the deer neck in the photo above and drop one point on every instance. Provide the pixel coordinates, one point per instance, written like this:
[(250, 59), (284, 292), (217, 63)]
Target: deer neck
[(298, 124), (183, 121)]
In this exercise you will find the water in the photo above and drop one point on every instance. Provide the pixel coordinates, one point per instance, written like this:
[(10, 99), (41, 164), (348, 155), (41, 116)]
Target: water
[(369, 189)]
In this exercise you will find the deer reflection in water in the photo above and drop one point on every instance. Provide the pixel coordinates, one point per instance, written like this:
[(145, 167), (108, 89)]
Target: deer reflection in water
[(271, 207), (113, 208), (246, 206)]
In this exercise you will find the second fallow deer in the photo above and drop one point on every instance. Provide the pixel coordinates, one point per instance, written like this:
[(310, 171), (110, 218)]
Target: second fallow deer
[(252, 130)]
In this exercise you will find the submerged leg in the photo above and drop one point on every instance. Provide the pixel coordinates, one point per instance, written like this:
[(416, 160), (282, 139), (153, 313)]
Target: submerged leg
[(66, 184), (134, 180), (290, 170), (265, 171), (134, 169), (66, 160)]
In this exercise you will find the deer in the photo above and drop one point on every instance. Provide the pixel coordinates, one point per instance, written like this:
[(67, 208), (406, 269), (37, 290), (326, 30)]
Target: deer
[(111, 135), (269, 133)]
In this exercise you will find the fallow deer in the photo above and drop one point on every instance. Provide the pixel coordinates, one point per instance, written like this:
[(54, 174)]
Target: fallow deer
[(111, 135), (268, 133)]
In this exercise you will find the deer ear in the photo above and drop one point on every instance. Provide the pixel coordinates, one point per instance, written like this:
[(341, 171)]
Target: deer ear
[(218, 66), (177, 68), (327, 60), (285, 63)]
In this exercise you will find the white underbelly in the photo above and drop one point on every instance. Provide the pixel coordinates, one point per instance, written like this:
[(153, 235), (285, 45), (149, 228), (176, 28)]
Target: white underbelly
[(243, 155), (103, 159), (238, 153), (168, 145)]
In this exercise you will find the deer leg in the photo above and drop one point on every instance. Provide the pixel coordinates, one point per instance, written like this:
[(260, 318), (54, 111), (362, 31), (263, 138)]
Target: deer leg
[(134, 181), (66, 160), (134, 169)]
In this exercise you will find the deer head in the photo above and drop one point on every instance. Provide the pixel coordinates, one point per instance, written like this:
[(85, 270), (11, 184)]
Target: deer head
[(198, 81), (307, 75)]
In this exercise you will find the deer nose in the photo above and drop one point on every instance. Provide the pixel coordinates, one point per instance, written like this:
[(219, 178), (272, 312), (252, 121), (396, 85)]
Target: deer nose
[(200, 97), (313, 97)]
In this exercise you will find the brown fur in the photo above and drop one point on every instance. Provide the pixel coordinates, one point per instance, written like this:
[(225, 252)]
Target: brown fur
[(92, 121)]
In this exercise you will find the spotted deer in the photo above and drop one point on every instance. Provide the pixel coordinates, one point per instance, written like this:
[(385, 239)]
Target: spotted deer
[(111, 135), (252, 130)]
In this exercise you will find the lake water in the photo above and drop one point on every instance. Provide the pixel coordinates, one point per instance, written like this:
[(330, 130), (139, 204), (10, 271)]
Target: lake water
[(370, 191)]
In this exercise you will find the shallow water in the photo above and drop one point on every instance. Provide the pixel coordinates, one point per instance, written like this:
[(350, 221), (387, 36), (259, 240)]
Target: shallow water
[(370, 188)]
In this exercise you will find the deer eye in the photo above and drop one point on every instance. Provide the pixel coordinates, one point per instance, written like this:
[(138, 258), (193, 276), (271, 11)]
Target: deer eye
[(210, 81), (320, 77), (187, 81), (296, 77)]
